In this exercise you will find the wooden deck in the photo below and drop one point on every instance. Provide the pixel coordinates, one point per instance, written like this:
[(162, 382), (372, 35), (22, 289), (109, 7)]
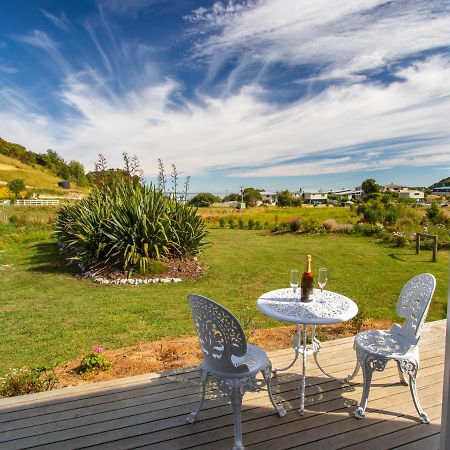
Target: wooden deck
[(149, 411)]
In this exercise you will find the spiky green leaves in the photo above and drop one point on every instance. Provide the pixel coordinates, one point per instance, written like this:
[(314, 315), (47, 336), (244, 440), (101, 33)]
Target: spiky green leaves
[(128, 225)]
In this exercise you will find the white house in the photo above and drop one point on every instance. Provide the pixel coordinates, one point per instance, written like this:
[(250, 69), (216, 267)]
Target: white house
[(269, 197), (394, 187), (348, 192), (315, 197), (407, 193)]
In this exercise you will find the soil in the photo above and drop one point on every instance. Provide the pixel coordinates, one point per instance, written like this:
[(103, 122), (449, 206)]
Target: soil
[(184, 268), (165, 354)]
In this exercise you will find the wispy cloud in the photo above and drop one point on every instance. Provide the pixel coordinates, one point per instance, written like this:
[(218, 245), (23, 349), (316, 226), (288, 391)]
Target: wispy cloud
[(356, 121), (43, 41), (61, 21), (129, 7), (4, 68), (345, 39)]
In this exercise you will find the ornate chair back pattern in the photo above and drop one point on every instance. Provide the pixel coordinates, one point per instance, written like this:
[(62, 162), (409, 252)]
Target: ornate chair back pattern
[(413, 304), (221, 336)]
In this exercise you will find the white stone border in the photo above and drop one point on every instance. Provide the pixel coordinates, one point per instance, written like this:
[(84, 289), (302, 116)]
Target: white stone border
[(131, 281)]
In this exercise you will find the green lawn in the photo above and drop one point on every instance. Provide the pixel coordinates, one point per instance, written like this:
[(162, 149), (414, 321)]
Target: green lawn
[(47, 315)]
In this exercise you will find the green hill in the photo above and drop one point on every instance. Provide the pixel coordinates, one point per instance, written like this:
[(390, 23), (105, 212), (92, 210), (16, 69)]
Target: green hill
[(443, 182), (41, 172), (34, 178)]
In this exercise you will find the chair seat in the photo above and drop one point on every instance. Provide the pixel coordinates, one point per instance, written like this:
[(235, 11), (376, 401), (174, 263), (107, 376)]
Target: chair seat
[(383, 343), (250, 364)]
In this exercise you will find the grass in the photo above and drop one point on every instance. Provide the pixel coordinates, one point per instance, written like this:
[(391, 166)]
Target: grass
[(274, 214), (48, 316)]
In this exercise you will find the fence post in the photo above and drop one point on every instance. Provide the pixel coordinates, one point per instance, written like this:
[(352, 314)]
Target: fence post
[(417, 243), (434, 248)]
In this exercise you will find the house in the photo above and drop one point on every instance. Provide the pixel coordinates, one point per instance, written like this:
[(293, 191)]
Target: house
[(314, 197), (269, 197), (394, 187), (407, 193), (442, 190), (348, 192)]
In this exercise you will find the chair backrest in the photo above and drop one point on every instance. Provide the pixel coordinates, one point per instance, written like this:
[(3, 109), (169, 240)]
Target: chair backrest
[(221, 336), (413, 304)]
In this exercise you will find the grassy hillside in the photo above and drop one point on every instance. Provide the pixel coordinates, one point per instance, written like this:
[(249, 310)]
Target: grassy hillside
[(36, 178)]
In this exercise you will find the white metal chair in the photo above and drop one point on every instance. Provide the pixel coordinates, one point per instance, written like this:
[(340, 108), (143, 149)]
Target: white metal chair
[(376, 347), (229, 358)]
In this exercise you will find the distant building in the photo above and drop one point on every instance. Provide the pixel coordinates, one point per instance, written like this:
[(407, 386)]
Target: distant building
[(394, 187), (407, 193), (350, 192), (269, 197), (314, 197), (442, 190)]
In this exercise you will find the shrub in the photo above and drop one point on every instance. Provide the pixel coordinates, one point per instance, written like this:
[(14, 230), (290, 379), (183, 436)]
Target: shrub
[(251, 224), (257, 225), (343, 228), (330, 224), (95, 360), (126, 225), (294, 224), (435, 215), (231, 222), (311, 225), (241, 223), (26, 381), (399, 239), (222, 222)]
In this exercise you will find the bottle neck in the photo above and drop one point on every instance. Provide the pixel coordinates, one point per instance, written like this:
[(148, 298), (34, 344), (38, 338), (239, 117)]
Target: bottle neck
[(308, 264)]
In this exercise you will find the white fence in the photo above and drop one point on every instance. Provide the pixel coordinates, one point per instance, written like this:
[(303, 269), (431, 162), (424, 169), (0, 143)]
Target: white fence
[(37, 202)]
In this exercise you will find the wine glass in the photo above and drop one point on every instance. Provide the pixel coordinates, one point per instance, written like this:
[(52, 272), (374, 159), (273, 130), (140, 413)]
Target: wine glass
[(322, 278), (294, 280)]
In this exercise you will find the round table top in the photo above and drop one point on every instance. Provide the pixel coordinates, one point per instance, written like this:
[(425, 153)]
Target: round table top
[(325, 308)]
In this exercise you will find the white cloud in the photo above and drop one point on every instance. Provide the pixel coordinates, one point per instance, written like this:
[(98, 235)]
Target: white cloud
[(7, 69), (43, 41), (62, 22), (346, 37), (243, 131)]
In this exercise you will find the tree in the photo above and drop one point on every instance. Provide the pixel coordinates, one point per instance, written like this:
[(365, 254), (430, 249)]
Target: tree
[(251, 196), (204, 199), (370, 186), (285, 198), (232, 197), (76, 171), (16, 186)]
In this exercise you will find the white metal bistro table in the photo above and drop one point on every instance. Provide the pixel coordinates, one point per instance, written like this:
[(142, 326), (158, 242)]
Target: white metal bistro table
[(326, 308)]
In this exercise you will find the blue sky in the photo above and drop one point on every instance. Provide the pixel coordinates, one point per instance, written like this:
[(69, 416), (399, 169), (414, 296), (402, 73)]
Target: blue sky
[(272, 93)]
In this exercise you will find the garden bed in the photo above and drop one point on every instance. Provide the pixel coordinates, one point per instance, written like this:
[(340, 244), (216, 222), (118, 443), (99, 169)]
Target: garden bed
[(164, 354)]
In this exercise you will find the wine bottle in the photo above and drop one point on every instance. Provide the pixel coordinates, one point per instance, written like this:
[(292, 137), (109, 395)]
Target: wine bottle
[(307, 284)]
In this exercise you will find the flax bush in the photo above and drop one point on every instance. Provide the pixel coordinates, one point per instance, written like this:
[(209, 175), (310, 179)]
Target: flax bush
[(127, 225)]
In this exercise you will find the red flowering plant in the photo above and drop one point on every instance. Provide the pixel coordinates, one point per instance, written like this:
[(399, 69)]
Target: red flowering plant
[(95, 360)]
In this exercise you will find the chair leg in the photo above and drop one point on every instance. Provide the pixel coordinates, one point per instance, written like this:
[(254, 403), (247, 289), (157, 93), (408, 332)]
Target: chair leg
[(236, 394), (412, 386), (193, 415), (267, 377), (401, 375), (368, 365)]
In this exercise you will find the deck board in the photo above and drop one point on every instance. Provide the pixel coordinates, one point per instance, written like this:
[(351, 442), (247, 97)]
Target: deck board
[(149, 411)]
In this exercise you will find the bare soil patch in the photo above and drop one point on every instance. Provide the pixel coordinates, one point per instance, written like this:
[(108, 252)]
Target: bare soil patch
[(165, 354)]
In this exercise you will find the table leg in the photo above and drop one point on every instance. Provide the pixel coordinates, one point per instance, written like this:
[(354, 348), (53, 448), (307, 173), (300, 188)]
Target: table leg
[(303, 387), (296, 346), (316, 348)]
